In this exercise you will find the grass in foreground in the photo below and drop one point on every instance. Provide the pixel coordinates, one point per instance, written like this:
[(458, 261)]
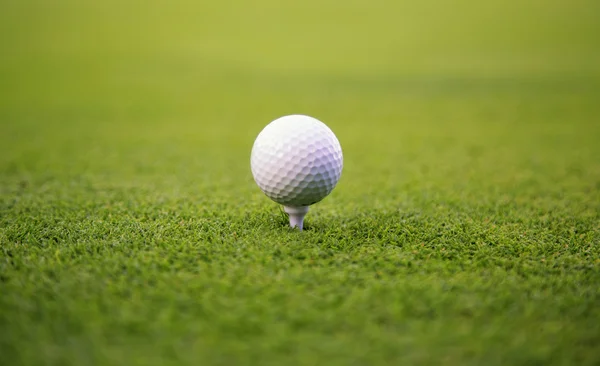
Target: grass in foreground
[(464, 230)]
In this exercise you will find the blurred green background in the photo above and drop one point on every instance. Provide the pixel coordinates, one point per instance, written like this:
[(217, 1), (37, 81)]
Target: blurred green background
[(464, 229), (89, 86)]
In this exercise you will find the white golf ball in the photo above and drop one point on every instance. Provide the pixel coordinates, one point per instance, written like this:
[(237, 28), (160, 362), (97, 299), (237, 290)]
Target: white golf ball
[(296, 160)]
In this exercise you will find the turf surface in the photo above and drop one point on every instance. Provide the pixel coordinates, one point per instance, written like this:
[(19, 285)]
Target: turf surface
[(464, 231)]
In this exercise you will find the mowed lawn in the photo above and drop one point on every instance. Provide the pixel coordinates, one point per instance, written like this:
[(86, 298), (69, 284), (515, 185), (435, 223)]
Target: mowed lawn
[(464, 231)]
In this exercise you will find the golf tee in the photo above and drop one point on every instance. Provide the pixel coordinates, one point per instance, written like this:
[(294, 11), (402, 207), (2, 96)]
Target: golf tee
[(296, 215)]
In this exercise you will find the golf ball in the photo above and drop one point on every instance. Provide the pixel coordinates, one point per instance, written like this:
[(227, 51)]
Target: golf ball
[(296, 160)]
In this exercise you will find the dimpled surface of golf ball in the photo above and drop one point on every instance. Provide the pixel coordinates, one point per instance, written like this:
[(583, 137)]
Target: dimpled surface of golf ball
[(296, 160)]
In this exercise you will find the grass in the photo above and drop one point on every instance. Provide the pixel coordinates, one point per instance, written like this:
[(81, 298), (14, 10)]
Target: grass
[(464, 231)]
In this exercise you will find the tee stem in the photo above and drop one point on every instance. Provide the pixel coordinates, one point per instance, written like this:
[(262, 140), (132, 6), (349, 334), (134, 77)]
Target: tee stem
[(296, 215)]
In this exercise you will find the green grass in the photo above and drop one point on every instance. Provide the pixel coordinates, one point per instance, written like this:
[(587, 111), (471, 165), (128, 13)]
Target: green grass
[(464, 231)]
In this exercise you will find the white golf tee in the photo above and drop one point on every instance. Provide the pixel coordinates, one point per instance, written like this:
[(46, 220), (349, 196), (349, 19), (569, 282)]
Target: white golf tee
[(296, 215)]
